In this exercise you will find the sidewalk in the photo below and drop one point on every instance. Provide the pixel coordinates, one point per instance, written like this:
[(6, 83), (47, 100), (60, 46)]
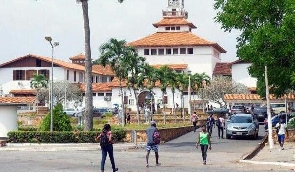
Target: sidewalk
[(275, 156)]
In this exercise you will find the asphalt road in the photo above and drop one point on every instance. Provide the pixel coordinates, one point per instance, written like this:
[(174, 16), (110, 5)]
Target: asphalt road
[(179, 155)]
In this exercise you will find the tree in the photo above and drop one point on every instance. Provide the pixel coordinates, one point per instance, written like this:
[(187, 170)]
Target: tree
[(116, 54), (221, 85), (198, 82), (88, 68), (182, 83), (267, 38), (172, 83), (38, 82)]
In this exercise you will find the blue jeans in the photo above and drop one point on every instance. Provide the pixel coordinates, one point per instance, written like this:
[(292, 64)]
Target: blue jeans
[(204, 149), (104, 151)]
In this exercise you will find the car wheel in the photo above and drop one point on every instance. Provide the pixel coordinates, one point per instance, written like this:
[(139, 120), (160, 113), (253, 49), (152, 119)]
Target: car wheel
[(228, 136)]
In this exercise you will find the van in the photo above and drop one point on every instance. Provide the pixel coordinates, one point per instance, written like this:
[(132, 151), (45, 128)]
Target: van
[(278, 107)]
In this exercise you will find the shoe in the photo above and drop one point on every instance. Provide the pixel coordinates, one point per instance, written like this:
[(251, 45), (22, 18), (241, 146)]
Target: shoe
[(282, 148), (147, 165), (204, 162), (116, 169), (158, 164)]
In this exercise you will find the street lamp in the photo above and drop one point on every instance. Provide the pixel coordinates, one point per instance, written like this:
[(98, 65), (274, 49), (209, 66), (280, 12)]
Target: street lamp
[(49, 39), (189, 92)]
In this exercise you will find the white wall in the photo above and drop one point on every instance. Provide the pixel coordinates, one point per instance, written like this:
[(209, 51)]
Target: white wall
[(8, 119), (240, 74)]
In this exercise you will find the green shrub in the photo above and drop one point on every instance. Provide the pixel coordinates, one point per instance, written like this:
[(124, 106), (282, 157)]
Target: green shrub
[(25, 128), (291, 123), (61, 121)]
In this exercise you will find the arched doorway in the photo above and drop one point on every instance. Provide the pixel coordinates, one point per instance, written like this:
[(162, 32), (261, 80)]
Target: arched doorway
[(146, 99)]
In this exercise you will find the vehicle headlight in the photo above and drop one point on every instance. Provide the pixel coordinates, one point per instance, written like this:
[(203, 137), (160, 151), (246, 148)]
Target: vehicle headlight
[(251, 127)]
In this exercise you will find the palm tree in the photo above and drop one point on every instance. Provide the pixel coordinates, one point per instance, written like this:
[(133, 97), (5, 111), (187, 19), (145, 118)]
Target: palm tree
[(173, 83), (116, 54), (182, 84), (38, 82), (163, 76), (198, 83), (88, 68)]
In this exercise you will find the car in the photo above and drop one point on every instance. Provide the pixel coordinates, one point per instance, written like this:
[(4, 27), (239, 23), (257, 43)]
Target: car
[(261, 113), (242, 125), (278, 107), (70, 111), (99, 112), (276, 119), (218, 111), (238, 109)]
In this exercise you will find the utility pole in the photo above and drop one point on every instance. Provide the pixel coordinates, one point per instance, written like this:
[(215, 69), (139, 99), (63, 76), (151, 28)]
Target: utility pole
[(269, 123)]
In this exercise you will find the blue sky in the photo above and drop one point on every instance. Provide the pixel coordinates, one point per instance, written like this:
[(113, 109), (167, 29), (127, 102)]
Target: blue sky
[(25, 23)]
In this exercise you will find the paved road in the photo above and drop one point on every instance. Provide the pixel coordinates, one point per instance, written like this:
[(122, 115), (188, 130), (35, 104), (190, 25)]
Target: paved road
[(179, 155)]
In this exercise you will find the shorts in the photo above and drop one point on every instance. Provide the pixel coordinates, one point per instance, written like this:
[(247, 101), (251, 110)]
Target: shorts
[(152, 147), (281, 138)]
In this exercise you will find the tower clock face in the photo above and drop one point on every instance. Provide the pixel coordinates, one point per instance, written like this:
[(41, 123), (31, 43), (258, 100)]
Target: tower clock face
[(173, 2)]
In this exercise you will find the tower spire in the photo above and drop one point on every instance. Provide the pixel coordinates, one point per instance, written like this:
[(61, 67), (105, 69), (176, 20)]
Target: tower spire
[(175, 8)]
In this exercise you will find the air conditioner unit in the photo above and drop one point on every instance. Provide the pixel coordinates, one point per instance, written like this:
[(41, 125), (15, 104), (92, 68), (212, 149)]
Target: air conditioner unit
[(107, 98)]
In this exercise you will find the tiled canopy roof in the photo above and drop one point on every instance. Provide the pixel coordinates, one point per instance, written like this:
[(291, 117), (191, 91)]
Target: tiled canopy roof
[(107, 70), (172, 66), (98, 87), (168, 39), (17, 100), (173, 22), (222, 69), (31, 91), (256, 97), (78, 57)]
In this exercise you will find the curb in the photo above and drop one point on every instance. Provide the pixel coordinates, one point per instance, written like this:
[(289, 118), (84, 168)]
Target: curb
[(259, 147), (269, 163)]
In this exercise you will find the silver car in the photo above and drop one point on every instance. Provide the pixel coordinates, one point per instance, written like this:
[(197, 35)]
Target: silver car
[(242, 125)]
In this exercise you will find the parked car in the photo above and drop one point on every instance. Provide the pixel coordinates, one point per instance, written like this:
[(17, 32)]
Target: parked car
[(242, 125), (261, 113), (238, 109), (99, 112), (278, 107), (218, 111), (70, 111), (276, 119)]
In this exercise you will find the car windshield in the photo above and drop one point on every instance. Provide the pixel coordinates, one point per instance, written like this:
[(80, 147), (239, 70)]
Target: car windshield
[(238, 107), (241, 119)]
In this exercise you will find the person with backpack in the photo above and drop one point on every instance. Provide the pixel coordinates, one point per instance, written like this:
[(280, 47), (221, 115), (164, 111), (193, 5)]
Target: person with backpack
[(106, 144), (194, 120), (205, 143), (281, 131), (210, 123), (153, 139), (220, 123)]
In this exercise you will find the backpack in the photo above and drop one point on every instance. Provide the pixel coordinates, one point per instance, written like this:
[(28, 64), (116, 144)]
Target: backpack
[(104, 141), (156, 137), (218, 123)]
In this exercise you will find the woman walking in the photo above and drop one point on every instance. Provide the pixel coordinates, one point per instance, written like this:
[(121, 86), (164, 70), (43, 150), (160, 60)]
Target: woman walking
[(204, 142), (106, 144)]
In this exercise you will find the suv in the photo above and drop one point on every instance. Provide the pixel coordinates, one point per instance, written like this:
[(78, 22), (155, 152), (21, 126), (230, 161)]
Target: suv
[(238, 109), (278, 107), (100, 112)]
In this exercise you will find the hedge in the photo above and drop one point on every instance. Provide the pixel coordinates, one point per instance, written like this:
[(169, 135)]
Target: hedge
[(61, 136)]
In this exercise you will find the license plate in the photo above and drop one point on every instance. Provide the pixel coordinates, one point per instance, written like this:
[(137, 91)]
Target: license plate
[(239, 133)]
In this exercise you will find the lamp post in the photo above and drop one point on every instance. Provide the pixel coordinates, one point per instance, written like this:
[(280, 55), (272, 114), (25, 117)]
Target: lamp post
[(49, 39), (189, 92)]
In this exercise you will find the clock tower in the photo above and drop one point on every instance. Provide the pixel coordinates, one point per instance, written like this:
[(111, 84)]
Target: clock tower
[(175, 9)]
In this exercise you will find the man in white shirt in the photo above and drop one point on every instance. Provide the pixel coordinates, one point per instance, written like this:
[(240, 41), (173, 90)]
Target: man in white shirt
[(282, 130)]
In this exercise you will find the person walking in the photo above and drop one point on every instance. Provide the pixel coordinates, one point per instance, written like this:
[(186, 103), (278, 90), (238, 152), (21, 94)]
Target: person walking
[(194, 118), (152, 134), (281, 131), (220, 123), (205, 143), (106, 144), (210, 123)]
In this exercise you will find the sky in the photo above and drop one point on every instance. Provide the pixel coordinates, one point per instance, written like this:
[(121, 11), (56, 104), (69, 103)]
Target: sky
[(25, 23)]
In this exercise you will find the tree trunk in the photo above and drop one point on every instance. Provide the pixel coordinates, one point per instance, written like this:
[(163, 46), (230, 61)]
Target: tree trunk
[(122, 99), (88, 71), (164, 109), (182, 104), (174, 114), (137, 107)]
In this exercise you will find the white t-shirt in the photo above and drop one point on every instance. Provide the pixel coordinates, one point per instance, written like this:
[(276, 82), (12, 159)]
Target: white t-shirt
[(282, 128), (221, 121)]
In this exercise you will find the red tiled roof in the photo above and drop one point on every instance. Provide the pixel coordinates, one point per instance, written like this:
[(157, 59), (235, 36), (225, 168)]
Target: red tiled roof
[(173, 22), (222, 69), (78, 57), (256, 97), (239, 61), (98, 87), (168, 39), (17, 100), (31, 91), (172, 66), (107, 70)]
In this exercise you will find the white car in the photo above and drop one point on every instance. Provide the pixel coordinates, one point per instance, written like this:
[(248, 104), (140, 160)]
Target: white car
[(70, 111)]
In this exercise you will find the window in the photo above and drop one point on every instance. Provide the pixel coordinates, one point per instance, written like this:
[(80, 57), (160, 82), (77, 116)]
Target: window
[(94, 94), (131, 101), (18, 75), (182, 50), (172, 28), (168, 51), (68, 74), (167, 28), (38, 63), (165, 100), (190, 51), (104, 79), (178, 28), (100, 94), (74, 76), (80, 77), (161, 51), (125, 100), (108, 94), (30, 73), (175, 50), (96, 79), (153, 51), (45, 73), (146, 51)]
